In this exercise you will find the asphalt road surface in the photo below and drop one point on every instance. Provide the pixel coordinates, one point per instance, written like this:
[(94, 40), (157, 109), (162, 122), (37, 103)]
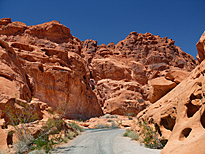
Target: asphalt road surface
[(103, 141)]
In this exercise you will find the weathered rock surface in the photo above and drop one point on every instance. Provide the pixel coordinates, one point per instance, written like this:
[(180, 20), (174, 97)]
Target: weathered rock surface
[(57, 67), (160, 86), (44, 62), (155, 65), (13, 80), (201, 48), (119, 97), (180, 115)]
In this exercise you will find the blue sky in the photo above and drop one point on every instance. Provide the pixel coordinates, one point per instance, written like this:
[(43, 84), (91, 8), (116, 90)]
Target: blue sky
[(112, 20)]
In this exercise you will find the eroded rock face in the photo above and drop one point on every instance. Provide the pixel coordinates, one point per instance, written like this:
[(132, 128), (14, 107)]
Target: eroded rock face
[(44, 62), (13, 80), (154, 64), (119, 97), (201, 48), (179, 115), (57, 67)]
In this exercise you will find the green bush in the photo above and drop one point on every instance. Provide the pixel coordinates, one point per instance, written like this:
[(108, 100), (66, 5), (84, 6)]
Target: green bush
[(76, 127), (133, 135), (71, 134), (50, 133), (149, 136)]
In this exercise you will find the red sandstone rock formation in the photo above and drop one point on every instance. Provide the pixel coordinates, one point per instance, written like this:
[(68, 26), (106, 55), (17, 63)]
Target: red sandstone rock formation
[(201, 48), (44, 62), (180, 115), (57, 67), (155, 65), (48, 63)]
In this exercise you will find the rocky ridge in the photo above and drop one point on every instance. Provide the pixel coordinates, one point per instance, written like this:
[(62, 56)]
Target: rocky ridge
[(47, 63), (128, 75), (136, 72)]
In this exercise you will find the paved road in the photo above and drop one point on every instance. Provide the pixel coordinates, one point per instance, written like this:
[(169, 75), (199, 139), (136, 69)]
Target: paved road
[(103, 141)]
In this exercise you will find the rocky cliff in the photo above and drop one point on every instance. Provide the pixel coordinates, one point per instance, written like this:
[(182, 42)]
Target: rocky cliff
[(44, 62), (136, 72), (45, 65), (53, 66), (179, 116)]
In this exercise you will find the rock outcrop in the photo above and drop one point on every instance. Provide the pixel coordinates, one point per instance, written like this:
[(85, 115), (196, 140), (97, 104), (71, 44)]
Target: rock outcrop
[(201, 48), (44, 62), (179, 116), (54, 66), (152, 64)]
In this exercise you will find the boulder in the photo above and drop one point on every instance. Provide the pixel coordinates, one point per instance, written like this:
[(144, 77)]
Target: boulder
[(53, 31), (119, 97), (160, 87), (177, 76)]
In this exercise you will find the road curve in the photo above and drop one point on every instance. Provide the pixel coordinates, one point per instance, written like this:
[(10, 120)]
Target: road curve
[(103, 141)]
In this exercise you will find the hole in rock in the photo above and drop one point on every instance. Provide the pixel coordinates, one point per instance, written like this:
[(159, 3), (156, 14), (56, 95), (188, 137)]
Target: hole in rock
[(158, 129), (168, 122), (163, 141), (192, 109), (185, 133), (203, 119), (40, 67), (198, 96), (6, 76)]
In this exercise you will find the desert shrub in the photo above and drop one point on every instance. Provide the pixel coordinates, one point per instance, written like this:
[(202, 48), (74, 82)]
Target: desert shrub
[(76, 127), (114, 125), (71, 134), (51, 130), (149, 136), (109, 120), (130, 118), (133, 135), (113, 116), (102, 126), (23, 143), (20, 116), (107, 116), (126, 134)]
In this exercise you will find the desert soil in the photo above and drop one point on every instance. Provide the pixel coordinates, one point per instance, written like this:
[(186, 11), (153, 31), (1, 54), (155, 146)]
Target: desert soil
[(103, 141)]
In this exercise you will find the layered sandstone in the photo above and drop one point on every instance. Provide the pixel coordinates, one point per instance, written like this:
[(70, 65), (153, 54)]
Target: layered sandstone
[(44, 62)]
